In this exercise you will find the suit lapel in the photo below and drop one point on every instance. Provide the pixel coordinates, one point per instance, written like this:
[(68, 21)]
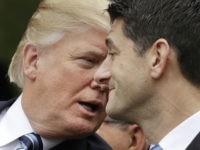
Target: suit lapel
[(195, 144), (8, 103)]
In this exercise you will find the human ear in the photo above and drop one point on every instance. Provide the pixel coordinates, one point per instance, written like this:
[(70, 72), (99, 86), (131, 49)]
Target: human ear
[(159, 55), (139, 141), (30, 58)]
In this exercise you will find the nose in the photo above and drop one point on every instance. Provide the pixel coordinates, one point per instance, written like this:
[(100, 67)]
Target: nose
[(103, 75)]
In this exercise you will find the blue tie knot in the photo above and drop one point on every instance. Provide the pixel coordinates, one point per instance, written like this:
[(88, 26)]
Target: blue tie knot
[(156, 147), (31, 141)]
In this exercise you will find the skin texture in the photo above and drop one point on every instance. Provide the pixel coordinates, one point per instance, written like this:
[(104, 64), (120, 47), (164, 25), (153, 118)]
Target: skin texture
[(59, 81)]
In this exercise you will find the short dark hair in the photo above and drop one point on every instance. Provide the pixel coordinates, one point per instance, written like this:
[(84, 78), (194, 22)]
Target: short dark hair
[(177, 21)]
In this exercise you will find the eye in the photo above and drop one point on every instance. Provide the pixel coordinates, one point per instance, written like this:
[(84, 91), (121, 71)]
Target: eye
[(88, 62)]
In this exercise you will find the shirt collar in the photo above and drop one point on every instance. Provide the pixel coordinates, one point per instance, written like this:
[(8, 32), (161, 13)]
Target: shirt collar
[(184, 132), (14, 123)]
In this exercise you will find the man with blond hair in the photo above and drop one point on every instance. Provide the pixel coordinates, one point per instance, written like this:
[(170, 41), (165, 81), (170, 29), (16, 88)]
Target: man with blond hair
[(61, 106)]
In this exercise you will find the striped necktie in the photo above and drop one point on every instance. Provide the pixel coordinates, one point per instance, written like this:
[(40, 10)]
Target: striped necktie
[(31, 141), (156, 147)]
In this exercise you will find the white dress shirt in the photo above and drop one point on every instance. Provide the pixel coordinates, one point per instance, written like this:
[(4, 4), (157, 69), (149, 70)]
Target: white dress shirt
[(13, 124), (181, 136)]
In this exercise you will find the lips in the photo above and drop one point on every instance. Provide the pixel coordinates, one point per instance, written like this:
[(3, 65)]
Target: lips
[(90, 106)]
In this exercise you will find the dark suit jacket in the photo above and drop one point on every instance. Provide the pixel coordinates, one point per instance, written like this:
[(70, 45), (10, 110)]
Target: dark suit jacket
[(195, 144), (93, 142)]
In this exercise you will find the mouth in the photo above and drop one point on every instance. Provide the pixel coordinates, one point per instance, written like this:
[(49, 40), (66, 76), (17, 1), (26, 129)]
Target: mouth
[(92, 107)]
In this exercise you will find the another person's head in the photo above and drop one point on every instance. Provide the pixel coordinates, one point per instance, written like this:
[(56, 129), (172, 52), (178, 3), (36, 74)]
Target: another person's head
[(54, 65), (154, 61), (121, 135)]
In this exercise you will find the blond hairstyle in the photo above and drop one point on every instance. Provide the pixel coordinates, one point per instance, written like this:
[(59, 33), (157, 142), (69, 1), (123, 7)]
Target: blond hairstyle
[(52, 20)]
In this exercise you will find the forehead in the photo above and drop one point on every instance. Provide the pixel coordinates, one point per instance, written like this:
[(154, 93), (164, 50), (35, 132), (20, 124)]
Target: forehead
[(92, 36)]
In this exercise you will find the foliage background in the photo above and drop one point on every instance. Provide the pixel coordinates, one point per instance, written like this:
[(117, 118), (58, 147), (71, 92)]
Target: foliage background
[(14, 16)]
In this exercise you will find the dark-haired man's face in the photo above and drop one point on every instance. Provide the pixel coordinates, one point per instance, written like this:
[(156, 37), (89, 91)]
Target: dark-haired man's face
[(129, 84)]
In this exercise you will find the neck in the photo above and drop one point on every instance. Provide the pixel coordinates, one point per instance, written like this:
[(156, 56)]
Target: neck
[(177, 102)]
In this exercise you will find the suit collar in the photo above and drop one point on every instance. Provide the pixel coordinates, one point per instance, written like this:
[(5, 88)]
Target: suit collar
[(195, 144), (14, 123), (7, 103)]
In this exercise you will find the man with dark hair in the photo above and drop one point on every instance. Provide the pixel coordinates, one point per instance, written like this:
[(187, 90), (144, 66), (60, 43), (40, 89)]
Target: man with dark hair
[(153, 58), (60, 106)]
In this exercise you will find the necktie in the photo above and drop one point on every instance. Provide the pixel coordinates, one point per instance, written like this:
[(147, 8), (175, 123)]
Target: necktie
[(156, 147), (31, 141)]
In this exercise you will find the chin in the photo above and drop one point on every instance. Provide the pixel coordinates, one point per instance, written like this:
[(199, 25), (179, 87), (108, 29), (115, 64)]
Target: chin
[(86, 127), (82, 131), (112, 111)]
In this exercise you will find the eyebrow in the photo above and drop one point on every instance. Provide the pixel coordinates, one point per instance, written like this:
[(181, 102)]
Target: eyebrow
[(111, 45), (96, 53), (93, 52)]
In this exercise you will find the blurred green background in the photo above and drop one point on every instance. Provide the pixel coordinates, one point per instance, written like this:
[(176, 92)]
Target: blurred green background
[(14, 16)]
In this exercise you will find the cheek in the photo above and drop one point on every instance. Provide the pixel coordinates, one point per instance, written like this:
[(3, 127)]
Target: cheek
[(56, 87), (121, 69), (66, 78)]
